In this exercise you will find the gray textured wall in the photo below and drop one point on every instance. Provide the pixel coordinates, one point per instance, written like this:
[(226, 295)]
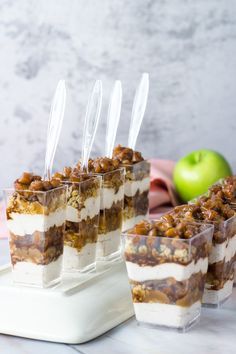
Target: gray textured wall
[(188, 46)]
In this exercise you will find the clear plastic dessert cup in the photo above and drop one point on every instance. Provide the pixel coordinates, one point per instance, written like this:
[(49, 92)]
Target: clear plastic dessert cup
[(82, 221), (137, 185), (111, 210), (36, 224), (226, 189), (233, 205), (234, 274), (220, 275), (167, 277)]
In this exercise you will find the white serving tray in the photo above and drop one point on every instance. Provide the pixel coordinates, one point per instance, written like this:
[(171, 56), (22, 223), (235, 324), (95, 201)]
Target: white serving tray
[(76, 311)]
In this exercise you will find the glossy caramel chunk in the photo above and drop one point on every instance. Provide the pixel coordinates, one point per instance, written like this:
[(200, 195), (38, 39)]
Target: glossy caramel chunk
[(126, 156)]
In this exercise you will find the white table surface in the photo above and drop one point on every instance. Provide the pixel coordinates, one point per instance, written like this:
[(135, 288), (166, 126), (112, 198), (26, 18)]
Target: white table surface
[(215, 334)]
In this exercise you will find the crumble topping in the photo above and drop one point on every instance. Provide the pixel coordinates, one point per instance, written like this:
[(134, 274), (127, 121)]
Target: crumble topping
[(27, 197), (78, 192), (166, 240)]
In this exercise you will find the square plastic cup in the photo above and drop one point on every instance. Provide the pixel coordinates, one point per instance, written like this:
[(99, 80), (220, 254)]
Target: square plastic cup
[(136, 202), (82, 221), (167, 277), (220, 275), (36, 224), (235, 274), (232, 203), (111, 215)]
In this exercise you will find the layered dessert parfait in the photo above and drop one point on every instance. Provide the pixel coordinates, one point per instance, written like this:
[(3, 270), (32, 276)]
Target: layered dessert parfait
[(111, 206), (36, 211), (82, 219), (137, 185), (220, 273), (167, 263), (226, 190)]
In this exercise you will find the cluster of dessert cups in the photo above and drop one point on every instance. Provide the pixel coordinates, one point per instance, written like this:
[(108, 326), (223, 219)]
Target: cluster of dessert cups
[(75, 220), (183, 260), (78, 218)]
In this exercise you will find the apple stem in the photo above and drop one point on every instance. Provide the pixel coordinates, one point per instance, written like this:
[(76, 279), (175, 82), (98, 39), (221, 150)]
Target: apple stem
[(198, 157)]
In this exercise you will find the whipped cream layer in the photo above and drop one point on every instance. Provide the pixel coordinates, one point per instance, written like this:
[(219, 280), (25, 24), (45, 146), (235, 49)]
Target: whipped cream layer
[(37, 274), (166, 270), (131, 187), (27, 224), (167, 315), (78, 260), (108, 243), (110, 196), (221, 251), (215, 297), (90, 210), (131, 222), (217, 253)]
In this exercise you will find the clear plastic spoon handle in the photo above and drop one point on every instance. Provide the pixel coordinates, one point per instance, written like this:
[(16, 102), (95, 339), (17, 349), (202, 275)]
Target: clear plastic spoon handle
[(113, 117), (138, 110), (91, 122), (54, 126)]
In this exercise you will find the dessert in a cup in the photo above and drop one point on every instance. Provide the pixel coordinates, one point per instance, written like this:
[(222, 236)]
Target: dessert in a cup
[(137, 184), (82, 219), (226, 190), (167, 263), (220, 273), (36, 212), (111, 206)]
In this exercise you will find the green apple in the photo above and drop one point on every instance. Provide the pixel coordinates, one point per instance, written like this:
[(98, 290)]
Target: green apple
[(196, 172)]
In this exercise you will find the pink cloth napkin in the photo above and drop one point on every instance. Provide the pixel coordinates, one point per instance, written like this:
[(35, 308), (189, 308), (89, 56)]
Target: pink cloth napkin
[(162, 193)]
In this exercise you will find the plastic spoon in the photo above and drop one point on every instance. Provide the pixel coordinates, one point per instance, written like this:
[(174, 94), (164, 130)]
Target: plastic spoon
[(54, 127), (113, 117), (138, 110), (91, 122)]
